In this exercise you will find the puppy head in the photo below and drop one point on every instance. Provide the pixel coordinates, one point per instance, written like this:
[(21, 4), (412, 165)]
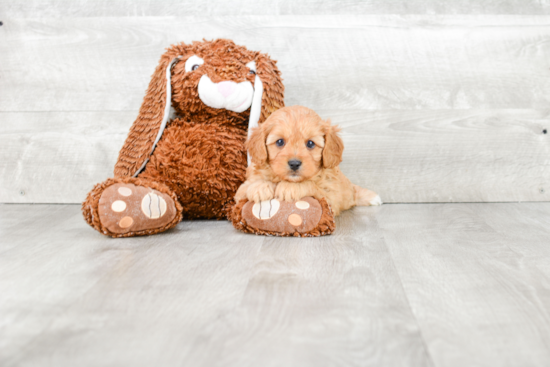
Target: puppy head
[(295, 144)]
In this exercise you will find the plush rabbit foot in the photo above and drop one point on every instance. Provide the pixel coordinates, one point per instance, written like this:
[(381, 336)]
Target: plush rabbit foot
[(131, 208), (305, 218)]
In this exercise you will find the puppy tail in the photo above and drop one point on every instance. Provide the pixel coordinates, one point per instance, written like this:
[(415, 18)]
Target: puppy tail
[(366, 197)]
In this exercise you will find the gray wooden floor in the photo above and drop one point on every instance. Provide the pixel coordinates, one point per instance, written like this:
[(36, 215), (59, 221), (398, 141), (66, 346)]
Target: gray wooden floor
[(416, 284)]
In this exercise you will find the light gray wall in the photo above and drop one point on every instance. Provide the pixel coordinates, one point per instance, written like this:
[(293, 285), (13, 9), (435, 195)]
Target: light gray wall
[(440, 101)]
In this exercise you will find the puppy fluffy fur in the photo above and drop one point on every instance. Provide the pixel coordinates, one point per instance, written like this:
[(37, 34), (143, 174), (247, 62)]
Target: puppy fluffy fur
[(297, 134)]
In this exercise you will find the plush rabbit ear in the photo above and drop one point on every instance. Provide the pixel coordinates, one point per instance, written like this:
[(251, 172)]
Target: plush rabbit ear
[(151, 121), (268, 91), (155, 110)]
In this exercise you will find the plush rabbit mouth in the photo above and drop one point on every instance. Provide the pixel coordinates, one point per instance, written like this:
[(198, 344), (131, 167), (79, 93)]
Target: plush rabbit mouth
[(236, 97)]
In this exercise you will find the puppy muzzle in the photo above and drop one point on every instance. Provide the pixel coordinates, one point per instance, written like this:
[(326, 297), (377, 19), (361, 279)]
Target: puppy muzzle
[(294, 164)]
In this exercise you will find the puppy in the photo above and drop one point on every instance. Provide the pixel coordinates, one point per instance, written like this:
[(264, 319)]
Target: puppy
[(296, 154)]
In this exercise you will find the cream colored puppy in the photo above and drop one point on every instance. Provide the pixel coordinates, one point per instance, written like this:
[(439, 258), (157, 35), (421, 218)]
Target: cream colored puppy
[(296, 154)]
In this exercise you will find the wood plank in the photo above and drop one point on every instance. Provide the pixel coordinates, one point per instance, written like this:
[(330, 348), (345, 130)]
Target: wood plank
[(199, 295), (405, 156), (334, 62), (477, 278), (141, 8), (58, 157), (448, 156), (63, 265)]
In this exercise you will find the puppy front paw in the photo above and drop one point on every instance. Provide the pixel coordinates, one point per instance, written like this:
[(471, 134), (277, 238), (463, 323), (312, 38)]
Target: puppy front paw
[(260, 191)]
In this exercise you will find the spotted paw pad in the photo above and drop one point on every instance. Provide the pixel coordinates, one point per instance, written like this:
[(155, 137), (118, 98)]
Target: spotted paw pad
[(266, 209), (127, 208), (283, 217)]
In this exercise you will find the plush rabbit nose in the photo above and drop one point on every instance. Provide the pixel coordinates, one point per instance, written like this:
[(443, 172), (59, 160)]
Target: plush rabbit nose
[(226, 88)]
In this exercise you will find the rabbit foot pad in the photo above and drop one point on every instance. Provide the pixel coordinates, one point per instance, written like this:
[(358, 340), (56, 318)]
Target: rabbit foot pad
[(307, 217), (125, 208)]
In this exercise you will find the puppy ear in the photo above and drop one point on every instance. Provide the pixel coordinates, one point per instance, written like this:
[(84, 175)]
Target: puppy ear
[(268, 92), (152, 118), (334, 147), (256, 146)]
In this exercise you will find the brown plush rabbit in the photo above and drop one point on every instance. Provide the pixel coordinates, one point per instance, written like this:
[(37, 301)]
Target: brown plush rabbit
[(185, 154)]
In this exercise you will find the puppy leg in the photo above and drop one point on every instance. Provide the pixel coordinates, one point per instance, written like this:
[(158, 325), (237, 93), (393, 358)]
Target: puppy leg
[(366, 197), (292, 191), (241, 192), (260, 190)]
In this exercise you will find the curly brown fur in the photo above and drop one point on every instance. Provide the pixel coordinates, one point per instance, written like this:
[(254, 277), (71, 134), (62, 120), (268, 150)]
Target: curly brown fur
[(203, 164), (298, 134), (201, 156)]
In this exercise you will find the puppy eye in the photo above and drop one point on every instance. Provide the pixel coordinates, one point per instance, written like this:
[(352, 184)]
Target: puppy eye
[(194, 67), (280, 142), (252, 72), (310, 144)]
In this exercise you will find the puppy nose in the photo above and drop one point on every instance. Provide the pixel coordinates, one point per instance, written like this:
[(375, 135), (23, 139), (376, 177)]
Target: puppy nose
[(226, 88), (294, 164)]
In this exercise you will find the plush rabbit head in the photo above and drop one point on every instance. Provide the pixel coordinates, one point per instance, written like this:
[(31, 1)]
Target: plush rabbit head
[(198, 81)]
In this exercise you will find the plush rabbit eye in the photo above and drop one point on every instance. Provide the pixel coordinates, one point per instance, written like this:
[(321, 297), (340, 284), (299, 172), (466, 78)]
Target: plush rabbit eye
[(193, 63), (310, 144), (280, 142), (252, 66)]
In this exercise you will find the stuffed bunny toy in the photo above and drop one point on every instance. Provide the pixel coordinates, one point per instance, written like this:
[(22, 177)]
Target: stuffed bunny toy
[(185, 155)]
